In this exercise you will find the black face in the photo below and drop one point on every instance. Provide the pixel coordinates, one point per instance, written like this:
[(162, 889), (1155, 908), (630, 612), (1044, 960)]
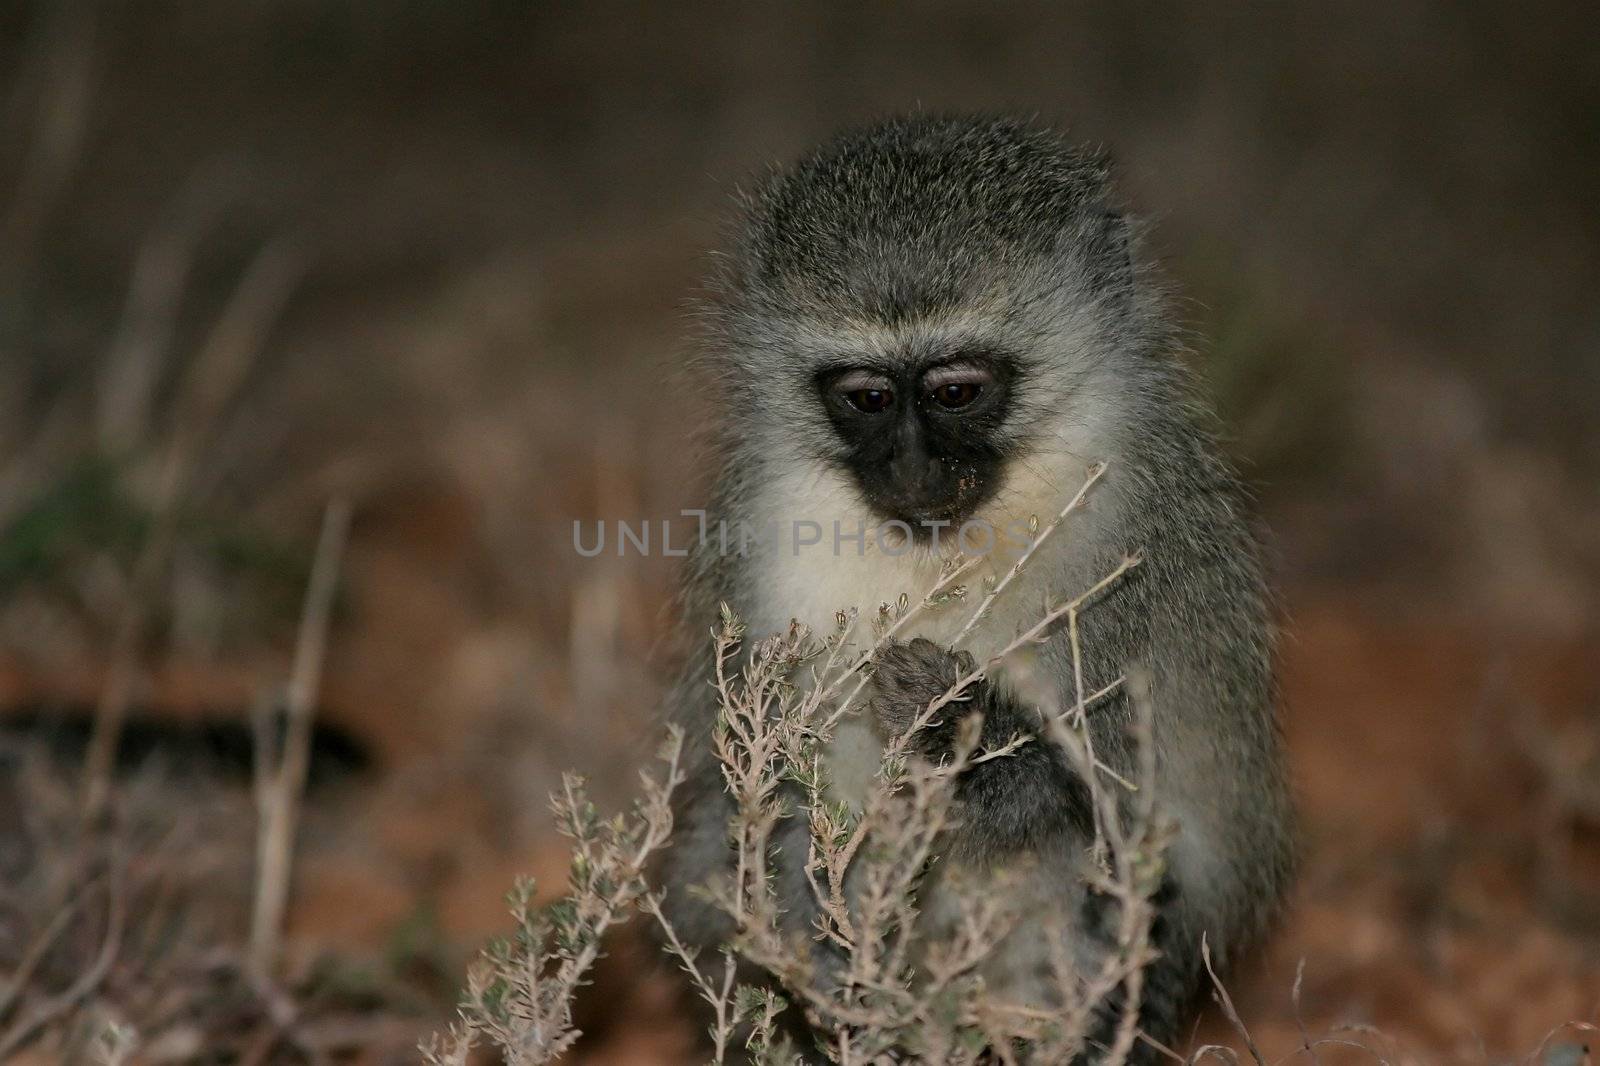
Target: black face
[(924, 442)]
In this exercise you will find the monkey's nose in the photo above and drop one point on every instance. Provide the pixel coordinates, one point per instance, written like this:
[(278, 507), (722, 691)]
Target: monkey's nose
[(914, 471)]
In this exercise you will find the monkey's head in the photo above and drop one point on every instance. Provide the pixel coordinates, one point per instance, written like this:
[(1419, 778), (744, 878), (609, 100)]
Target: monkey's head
[(928, 306)]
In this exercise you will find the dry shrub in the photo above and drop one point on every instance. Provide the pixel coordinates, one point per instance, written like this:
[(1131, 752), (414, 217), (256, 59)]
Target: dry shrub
[(868, 979)]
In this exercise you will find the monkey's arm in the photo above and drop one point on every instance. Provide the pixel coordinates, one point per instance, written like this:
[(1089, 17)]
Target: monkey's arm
[(1032, 802), (1027, 801)]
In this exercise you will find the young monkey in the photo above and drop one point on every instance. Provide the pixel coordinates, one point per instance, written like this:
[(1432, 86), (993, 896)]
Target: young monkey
[(943, 320)]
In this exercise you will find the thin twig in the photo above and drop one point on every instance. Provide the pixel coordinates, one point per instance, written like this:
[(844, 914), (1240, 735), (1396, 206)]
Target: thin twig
[(220, 368), (279, 816), (1299, 1017), (90, 979), (1226, 1002), (133, 366), (1094, 474), (944, 585), (36, 952), (720, 999), (1032, 635)]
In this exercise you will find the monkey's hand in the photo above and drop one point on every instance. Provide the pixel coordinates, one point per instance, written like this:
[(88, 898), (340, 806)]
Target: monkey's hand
[(1024, 800), (910, 676)]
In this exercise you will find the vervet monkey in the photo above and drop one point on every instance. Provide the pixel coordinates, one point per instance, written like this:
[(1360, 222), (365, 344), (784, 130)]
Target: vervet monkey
[(939, 320)]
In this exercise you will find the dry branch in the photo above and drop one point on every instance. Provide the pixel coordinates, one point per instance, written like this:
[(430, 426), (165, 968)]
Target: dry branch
[(281, 794)]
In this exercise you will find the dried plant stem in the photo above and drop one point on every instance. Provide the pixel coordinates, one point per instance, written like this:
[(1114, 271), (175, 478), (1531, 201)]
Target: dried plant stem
[(1228, 1009), (219, 370), (519, 996), (29, 1024), (133, 366), (122, 669), (1080, 720), (279, 813), (36, 951), (1032, 635), (718, 996), (1095, 473), (945, 585)]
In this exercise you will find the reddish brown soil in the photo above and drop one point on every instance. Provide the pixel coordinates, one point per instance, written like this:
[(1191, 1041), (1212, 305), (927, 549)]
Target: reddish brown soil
[(1419, 909)]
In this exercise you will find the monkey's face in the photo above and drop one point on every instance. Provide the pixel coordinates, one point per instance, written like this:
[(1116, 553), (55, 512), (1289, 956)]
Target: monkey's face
[(923, 439), (939, 315)]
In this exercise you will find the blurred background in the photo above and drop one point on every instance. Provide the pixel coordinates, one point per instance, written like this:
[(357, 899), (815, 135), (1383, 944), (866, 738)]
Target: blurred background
[(438, 261)]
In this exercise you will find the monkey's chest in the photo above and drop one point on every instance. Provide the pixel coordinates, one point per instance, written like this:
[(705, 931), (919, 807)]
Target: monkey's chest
[(800, 589), (852, 758)]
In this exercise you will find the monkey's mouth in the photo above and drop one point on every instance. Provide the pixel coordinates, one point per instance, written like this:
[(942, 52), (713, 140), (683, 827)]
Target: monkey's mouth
[(934, 517), (926, 523)]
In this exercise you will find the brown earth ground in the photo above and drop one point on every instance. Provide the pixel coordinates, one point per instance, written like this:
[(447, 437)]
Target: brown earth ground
[(1446, 910)]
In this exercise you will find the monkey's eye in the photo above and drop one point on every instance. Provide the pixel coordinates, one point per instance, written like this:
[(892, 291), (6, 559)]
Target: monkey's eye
[(866, 391), (956, 385), (955, 395), (870, 401)]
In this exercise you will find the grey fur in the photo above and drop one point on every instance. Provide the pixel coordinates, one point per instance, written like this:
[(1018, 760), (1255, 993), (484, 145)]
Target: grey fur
[(932, 233)]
